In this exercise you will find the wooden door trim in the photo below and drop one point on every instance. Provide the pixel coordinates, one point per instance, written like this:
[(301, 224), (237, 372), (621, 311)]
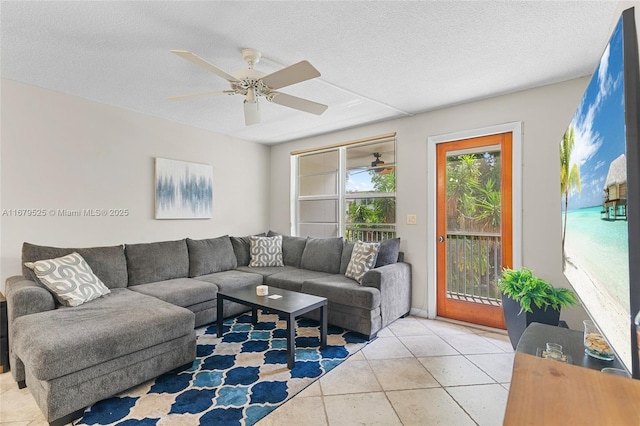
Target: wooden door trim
[(486, 315), (426, 303)]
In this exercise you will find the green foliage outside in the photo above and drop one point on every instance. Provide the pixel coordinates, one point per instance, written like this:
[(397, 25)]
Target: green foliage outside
[(525, 288), (373, 213), (474, 205), (473, 193)]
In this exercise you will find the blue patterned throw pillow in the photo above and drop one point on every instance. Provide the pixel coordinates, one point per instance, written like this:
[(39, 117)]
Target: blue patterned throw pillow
[(363, 258), (69, 278), (266, 251)]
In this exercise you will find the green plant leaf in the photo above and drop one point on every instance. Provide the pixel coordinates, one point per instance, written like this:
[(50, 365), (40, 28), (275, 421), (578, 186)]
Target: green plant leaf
[(525, 288)]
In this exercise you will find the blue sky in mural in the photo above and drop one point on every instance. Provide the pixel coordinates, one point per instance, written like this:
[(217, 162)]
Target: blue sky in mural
[(599, 125)]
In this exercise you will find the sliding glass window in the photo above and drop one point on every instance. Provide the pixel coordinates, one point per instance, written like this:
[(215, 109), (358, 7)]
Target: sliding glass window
[(317, 212), (346, 190)]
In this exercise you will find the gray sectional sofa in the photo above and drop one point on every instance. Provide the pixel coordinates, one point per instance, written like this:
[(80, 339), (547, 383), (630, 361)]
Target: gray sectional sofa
[(72, 357)]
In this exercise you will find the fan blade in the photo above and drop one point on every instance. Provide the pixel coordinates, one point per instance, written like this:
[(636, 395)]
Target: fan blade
[(192, 57), (197, 95), (298, 103), (292, 74)]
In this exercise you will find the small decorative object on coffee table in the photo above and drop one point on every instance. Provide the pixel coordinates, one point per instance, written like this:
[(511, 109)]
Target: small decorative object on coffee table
[(290, 304)]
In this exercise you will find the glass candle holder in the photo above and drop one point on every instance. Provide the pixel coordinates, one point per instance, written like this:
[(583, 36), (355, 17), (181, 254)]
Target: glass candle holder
[(554, 351)]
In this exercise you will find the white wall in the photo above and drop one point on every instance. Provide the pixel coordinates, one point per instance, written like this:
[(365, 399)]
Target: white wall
[(64, 152), (544, 112)]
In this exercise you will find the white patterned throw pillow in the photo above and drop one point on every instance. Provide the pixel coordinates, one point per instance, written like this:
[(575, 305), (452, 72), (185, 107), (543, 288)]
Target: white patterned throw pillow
[(69, 278), (265, 251), (363, 258)]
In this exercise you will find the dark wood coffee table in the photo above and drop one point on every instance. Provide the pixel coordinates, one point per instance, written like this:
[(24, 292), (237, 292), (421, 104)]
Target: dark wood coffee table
[(291, 305)]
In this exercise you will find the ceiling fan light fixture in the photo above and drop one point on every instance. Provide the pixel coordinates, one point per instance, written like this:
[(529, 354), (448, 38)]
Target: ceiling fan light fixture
[(251, 96), (251, 112)]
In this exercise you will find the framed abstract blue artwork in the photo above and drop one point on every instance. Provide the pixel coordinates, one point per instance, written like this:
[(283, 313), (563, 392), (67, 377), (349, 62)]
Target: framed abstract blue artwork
[(183, 190)]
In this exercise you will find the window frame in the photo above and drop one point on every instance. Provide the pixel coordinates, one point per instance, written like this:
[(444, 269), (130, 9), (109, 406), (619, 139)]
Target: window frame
[(342, 196)]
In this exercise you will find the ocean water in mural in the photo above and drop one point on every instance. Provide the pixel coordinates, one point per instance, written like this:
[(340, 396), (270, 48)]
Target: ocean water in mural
[(600, 247), (183, 190)]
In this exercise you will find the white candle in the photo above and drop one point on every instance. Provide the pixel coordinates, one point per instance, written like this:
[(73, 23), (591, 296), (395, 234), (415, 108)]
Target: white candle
[(262, 290)]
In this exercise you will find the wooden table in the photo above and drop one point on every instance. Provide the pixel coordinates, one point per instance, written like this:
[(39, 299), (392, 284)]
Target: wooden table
[(547, 392), (291, 305)]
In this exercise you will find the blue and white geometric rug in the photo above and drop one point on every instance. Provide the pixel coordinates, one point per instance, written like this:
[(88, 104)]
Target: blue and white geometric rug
[(236, 381)]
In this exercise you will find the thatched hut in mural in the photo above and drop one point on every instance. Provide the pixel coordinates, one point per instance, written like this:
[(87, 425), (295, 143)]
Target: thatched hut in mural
[(614, 205)]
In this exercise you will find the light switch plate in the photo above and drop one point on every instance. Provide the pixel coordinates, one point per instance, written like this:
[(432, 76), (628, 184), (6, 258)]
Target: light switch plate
[(412, 219)]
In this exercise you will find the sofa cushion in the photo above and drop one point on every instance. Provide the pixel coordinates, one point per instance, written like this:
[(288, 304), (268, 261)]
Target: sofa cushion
[(107, 263), (211, 255), (242, 249), (151, 262), (363, 258), (293, 279), (118, 324), (266, 271), (69, 278), (180, 291), (322, 255), (343, 290), (266, 251), (292, 249), (347, 250), (389, 252), (232, 279)]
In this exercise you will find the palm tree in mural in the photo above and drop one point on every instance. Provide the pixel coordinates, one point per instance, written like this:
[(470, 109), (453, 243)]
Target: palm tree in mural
[(569, 175)]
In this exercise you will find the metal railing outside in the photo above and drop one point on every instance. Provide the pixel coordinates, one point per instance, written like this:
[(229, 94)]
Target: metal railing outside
[(474, 267), (370, 232)]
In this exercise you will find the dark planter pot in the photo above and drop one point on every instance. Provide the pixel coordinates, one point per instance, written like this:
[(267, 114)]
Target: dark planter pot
[(517, 323)]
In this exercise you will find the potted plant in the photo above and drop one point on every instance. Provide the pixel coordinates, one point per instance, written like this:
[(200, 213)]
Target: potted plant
[(527, 298)]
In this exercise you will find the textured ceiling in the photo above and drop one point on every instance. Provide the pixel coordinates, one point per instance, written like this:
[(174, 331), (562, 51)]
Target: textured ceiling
[(379, 60)]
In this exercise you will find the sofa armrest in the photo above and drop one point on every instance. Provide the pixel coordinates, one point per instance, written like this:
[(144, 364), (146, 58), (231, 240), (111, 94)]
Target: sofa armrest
[(25, 297), (394, 283)]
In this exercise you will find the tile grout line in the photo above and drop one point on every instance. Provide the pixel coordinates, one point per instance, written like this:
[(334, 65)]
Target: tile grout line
[(442, 386), (378, 380)]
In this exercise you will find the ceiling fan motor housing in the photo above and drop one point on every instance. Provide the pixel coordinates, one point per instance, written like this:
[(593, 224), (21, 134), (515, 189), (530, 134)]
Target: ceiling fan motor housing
[(377, 162)]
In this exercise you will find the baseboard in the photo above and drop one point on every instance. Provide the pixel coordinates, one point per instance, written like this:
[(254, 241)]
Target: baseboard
[(424, 314), (419, 313), (471, 325)]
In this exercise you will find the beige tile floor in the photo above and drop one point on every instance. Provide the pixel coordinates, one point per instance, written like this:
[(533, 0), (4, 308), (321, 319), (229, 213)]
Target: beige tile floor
[(417, 372)]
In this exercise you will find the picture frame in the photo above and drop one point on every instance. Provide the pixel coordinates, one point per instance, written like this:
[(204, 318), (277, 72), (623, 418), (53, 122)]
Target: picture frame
[(183, 190)]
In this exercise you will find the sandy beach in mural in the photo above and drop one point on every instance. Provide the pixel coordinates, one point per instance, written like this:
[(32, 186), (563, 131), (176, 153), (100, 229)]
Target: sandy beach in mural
[(600, 247)]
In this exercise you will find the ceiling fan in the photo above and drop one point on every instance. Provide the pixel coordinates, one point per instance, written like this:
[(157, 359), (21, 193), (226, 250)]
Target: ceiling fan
[(253, 84), (379, 166)]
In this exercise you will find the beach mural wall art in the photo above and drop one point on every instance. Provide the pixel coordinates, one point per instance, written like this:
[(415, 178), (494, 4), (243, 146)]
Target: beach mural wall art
[(593, 188), (183, 190)]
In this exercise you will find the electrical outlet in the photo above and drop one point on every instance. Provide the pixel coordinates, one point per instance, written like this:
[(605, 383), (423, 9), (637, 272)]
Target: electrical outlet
[(412, 219)]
